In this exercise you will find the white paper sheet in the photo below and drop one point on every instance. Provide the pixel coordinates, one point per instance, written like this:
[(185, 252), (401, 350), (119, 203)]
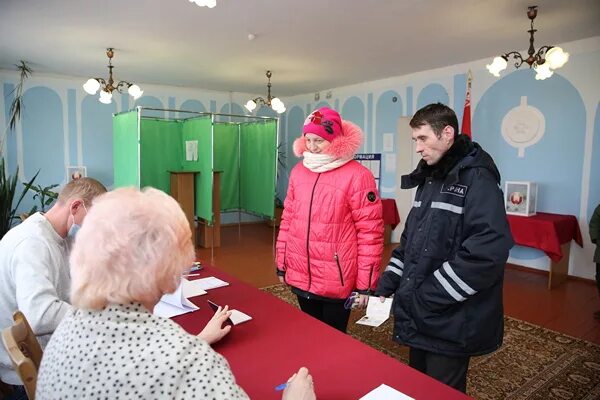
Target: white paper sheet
[(191, 150), (384, 392), (210, 283), (237, 317), (377, 312), (192, 289), (174, 304)]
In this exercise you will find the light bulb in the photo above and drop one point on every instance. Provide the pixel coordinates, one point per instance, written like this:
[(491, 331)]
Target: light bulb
[(542, 71), (91, 86), (250, 105), (497, 65), (135, 91), (105, 97), (210, 3), (556, 57)]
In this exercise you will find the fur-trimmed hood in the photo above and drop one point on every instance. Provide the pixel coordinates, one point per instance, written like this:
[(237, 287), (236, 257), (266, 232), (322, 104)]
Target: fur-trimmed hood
[(343, 147)]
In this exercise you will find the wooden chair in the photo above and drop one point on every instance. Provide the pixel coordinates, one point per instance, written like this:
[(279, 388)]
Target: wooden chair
[(24, 351)]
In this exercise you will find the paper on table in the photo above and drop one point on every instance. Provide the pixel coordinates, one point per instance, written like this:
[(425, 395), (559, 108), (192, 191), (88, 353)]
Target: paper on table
[(237, 317), (192, 289), (174, 304), (377, 312), (384, 392), (210, 283)]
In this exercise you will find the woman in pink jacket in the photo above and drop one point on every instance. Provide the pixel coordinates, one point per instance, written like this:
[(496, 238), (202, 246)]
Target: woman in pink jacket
[(331, 235)]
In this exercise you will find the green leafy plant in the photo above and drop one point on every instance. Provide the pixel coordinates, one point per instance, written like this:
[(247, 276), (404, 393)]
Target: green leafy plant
[(45, 195), (16, 106), (8, 190)]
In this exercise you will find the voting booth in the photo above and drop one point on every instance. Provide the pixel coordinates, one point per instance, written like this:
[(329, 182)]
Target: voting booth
[(239, 150)]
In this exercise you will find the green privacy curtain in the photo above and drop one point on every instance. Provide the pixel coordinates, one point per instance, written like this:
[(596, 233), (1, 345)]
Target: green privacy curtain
[(245, 153)]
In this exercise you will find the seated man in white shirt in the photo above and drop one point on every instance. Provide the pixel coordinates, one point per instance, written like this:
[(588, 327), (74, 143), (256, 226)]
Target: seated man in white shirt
[(34, 266)]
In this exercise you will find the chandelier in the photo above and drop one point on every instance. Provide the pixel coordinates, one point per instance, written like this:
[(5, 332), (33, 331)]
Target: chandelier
[(205, 3), (107, 87), (274, 102), (546, 59)]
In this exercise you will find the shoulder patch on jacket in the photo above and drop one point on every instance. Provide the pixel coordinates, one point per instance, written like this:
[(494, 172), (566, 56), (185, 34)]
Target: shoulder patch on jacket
[(371, 197), (457, 190)]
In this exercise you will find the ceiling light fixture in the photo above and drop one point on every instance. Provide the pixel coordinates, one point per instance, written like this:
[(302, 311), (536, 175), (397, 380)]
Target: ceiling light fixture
[(274, 102), (205, 3), (107, 87), (546, 59)]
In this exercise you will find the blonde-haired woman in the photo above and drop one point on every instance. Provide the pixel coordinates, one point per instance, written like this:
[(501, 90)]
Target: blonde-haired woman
[(133, 249)]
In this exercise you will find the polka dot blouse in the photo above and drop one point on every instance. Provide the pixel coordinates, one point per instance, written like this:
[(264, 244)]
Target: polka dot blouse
[(124, 352)]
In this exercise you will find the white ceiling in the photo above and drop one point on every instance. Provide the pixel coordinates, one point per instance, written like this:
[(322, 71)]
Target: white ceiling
[(309, 45)]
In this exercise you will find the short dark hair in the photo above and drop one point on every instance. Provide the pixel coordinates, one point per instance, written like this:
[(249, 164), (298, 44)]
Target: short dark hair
[(436, 115)]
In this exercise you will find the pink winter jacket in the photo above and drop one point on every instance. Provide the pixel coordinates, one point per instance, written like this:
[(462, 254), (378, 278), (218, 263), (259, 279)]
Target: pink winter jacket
[(331, 235)]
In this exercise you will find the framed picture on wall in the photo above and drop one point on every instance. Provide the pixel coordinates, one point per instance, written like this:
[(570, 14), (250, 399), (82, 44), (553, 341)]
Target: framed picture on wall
[(75, 172)]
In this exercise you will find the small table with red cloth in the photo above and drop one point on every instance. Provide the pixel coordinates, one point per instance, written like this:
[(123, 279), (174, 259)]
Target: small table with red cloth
[(391, 218), (551, 233), (265, 351)]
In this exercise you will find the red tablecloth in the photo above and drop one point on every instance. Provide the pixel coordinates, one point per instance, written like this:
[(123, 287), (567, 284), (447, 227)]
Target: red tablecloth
[(279, 339), (546, 232), (390, 213)]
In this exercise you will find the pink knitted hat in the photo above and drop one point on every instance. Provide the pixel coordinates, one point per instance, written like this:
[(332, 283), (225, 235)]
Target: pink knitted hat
[(323, 122)]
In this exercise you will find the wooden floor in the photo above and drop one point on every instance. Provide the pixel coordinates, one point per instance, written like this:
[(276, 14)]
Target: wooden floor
[(247, 254)]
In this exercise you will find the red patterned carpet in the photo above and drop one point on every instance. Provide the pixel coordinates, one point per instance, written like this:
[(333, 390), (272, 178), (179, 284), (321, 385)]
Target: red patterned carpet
[(534, 363)]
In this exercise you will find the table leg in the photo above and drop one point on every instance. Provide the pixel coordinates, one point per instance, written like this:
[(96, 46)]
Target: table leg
[(559, 270)]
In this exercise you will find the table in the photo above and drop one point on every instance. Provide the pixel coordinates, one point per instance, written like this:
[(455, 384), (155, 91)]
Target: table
[(391, 218), (265, 351), (551, 233)]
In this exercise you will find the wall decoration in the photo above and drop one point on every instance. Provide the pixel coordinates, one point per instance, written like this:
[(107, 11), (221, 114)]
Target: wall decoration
[(75, 172), (523, 126)]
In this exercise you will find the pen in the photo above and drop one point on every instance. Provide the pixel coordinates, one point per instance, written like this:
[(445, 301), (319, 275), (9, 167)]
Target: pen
[(186, 275), (281, 387)]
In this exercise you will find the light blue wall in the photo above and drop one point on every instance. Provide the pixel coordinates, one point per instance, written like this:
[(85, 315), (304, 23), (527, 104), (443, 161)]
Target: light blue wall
[(565, 162), (63, 126)]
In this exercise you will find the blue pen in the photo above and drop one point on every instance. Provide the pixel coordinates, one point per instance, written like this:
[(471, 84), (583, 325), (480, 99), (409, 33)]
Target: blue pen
[(280, 387)]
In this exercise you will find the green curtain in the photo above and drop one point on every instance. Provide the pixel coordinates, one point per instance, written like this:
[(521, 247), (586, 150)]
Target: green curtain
[(125, 150), (199, 129), (227, 160), (258, 161), (160, 150)]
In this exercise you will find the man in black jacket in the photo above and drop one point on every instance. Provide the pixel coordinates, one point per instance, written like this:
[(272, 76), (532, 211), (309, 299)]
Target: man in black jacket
[(447, 273)]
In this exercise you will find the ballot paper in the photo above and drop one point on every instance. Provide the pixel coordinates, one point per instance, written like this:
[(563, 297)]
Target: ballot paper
[(377, 312), (384, 392), (192, 288), (174, 304), (210, 283), (237, 317)]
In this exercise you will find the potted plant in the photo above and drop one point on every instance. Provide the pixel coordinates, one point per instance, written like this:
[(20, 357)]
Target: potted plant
[(8, 182)]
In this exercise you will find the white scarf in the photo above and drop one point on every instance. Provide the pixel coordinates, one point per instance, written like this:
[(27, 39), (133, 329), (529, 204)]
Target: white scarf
[(322, 162)]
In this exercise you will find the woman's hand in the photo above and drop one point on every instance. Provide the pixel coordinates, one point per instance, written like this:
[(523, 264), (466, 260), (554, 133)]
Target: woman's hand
[(300, 386), (361, 300), (282, 280), (214, 330)]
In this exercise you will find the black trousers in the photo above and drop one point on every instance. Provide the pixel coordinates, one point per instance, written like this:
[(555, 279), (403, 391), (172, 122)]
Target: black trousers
[(333, 314), (598, 277), (449, 370)]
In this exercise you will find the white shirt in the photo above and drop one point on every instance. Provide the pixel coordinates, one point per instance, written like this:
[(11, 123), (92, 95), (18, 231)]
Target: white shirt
[(34, 278), (125, 352)]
